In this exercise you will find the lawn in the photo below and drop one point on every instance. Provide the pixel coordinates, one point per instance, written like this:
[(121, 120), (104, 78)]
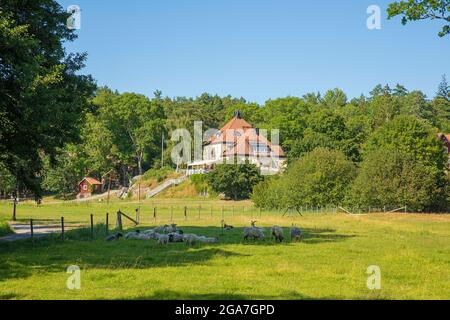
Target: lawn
[(413, 252)]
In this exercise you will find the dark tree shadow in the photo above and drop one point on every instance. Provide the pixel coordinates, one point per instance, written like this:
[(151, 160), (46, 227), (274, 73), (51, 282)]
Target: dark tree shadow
[(173, 295), (50, 254)]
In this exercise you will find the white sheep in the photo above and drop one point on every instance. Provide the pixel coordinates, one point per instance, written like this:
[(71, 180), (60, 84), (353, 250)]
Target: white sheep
[(163, 239), (277, 233), (254, 233), (190, 239)]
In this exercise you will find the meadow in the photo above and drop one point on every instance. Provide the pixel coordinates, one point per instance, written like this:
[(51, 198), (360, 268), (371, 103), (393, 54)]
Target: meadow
[(412, 251)]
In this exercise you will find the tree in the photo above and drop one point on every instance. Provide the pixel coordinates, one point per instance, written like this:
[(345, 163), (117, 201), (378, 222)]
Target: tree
[(443, 89), (137, 125), (328, 129), (42, 96), (63, 178), (236, 181), (412, 136), (413, 10), (320, 178), (391, 177)]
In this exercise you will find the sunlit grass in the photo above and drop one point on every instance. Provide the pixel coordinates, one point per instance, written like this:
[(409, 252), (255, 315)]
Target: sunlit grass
[(413, 252)]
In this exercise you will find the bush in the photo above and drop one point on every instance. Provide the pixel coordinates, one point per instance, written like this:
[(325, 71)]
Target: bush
[(235, 181), (403, 164), (320, 178), (393, 178), (158, 174), (267, 193)]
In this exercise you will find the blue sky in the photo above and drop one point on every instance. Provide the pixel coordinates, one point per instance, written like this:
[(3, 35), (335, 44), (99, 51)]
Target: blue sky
[(257, 49)]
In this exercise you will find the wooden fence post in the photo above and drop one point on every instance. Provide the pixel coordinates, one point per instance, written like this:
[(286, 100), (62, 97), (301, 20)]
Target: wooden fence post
[(92, 227), (154, 215), (32, 229), (107, 223), (185, 213), (62, 228), (14, 209), (119, 221)]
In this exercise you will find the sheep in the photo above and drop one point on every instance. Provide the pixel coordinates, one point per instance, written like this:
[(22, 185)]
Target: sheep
[(296, 234), (190, 239), (132, 235), (175, 237), (228, 227), (254, 233), (203, 239), (163, 239), (277, 233), (161, 229), (166, 228), (114, 237)]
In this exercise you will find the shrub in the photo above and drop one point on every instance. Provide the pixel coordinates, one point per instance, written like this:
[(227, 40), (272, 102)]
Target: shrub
[(236, 181), (319, 178), (393, 178)]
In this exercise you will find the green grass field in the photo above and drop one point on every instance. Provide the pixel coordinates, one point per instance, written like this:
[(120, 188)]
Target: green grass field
[(413, 252)]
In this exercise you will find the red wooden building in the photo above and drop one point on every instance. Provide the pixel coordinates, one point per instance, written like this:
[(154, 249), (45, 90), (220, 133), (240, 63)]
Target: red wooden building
[(89, 186)]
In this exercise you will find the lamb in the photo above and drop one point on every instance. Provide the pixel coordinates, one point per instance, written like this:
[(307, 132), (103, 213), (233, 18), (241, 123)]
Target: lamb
[(254, 233), (114, 237), (277, 233), (296, 234), (163, 239)]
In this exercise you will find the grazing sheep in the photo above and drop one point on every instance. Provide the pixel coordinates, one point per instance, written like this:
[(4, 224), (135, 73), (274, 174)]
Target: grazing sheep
[(296, 234), (277, 233), (114, 237), (161, 229), (254, 233), (190, 239)]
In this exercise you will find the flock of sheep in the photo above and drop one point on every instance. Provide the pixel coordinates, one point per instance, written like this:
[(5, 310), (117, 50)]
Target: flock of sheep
[(171, 234), (276, 232), (164, 235)]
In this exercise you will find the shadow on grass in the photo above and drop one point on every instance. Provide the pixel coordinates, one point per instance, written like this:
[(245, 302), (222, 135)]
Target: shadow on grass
[(50, 254), (173, 295)]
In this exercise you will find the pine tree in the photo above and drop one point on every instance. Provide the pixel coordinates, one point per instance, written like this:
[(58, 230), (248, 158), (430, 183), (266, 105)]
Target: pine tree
[(444, 89)]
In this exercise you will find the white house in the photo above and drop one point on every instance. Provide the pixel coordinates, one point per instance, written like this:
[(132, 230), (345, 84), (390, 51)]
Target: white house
[(238, 142)]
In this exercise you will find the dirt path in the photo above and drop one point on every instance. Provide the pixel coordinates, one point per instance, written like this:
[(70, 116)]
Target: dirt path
[(23, 231)]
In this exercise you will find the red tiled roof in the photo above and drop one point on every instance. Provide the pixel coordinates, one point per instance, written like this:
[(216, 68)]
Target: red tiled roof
[(91, 181), (241, 135)]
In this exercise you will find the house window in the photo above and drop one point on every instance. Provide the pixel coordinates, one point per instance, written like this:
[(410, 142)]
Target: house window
[(85, 187), (259, 147)]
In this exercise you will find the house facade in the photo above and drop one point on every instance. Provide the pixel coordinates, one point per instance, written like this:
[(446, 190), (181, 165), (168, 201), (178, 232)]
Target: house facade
[(238, 142)]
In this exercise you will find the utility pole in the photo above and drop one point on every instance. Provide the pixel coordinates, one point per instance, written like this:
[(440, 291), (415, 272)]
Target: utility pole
[(162, 151)]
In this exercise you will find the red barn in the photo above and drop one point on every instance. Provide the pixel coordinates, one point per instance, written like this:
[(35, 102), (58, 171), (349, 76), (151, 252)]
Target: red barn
[(89, 186)]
